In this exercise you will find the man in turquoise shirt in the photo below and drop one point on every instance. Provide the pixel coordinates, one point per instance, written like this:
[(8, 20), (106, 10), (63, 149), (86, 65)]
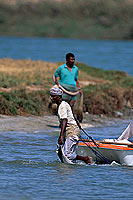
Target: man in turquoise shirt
[(68, 78)]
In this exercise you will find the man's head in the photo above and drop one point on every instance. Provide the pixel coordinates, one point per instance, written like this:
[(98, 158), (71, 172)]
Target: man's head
[(56, 95), (70, 59)]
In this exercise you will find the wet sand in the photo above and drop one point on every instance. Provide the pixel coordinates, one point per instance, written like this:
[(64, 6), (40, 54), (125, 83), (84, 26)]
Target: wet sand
[(28, 124), (49, 121)]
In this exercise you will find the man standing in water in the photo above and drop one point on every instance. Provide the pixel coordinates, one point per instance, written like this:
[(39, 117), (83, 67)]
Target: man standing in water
[(68, 78), (69, 134)]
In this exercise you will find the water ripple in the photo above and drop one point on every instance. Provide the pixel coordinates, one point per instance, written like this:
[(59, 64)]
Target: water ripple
[(29, 165)]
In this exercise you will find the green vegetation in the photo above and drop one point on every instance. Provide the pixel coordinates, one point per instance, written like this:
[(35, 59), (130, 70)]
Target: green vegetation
[(116, 77), (91, 19), (25, 90), (113, 92), (21, 102)]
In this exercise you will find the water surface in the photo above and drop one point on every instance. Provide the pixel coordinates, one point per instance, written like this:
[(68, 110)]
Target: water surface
[(30, 169), (106, 54)]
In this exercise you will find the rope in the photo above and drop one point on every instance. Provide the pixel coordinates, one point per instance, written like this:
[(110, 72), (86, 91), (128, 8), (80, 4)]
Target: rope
[(64, 90), (97, 153), (68, 92)]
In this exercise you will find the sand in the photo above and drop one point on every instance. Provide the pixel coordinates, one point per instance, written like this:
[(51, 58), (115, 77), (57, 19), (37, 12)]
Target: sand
[(50, 122)]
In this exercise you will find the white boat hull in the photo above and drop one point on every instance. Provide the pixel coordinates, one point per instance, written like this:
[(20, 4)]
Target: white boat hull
[(107, 153)]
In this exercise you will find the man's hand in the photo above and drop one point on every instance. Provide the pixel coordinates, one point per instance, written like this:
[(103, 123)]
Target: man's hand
[(60, 140)]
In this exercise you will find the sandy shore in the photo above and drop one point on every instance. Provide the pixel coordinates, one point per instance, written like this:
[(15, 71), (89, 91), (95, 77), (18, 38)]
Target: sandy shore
[(48, 121), (28, 124)]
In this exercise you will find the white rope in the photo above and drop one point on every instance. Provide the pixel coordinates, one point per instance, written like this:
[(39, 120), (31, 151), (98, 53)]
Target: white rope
[(64, 90), (67, 92)]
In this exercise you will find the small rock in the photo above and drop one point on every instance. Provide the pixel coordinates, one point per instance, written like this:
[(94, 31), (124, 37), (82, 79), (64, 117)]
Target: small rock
[(118, 114)]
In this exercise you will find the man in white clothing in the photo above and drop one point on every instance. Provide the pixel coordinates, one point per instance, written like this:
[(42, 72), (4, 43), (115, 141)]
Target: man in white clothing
[(69, 134)]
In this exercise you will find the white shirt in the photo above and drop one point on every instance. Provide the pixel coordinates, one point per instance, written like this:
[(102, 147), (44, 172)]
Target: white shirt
[(65, 111)]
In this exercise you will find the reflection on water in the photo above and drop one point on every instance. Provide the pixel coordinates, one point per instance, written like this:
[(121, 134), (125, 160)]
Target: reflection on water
[(30, 169)]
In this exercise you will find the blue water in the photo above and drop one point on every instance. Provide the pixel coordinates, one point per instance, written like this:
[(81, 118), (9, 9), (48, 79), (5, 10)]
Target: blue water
[(30, 169), (108, 54), (29, 166)]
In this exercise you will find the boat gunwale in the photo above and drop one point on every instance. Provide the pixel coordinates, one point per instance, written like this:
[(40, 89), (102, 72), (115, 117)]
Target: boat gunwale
[(107, 145)]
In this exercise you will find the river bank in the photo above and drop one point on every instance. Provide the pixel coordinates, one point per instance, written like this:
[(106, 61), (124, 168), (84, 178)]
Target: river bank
[(50, 122), (25, 85)]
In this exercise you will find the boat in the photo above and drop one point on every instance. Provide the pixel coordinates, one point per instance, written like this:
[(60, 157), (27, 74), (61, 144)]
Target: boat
[(107, 151)]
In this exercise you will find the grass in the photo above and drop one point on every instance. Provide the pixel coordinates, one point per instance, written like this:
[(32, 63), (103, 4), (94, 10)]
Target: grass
[(90, 19), (25, 72), (19, 102), (114, 89), (113, 77), (25, 84)]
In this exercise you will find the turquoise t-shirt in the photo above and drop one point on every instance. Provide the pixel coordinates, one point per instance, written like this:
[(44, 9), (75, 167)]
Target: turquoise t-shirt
[(67, 77)]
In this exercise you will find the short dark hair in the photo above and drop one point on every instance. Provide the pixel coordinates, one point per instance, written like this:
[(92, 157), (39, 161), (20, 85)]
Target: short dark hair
[(68, 55)]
